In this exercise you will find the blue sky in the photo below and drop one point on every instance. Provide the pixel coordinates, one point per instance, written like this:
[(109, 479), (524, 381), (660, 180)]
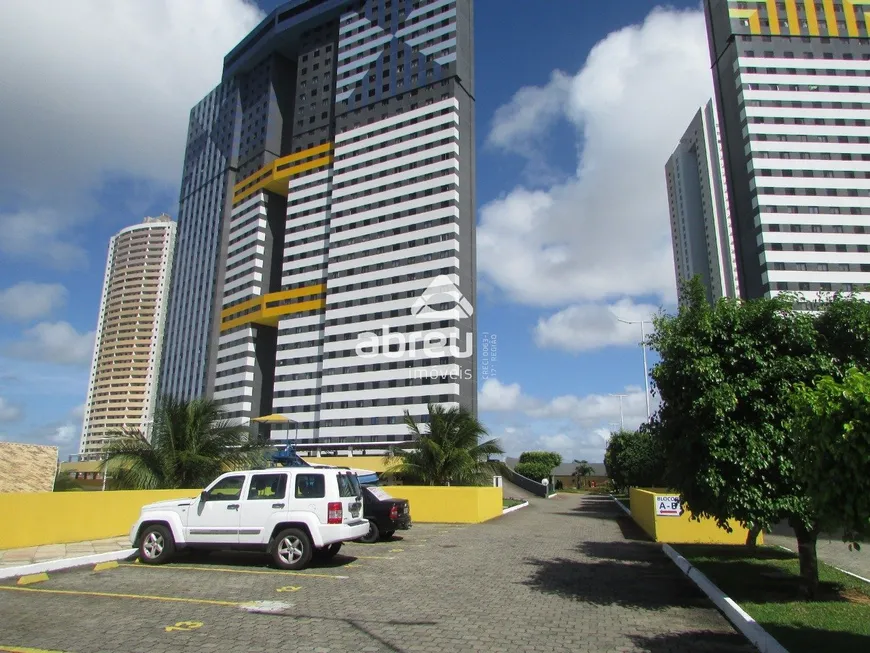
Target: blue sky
[(577, 112)]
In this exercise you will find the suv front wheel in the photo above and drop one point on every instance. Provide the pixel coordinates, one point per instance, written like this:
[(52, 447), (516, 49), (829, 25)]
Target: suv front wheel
[(156, 545), (292, 549)]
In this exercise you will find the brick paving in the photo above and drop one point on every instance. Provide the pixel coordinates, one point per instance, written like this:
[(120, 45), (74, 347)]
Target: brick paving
[(29, 555), (566, 574)]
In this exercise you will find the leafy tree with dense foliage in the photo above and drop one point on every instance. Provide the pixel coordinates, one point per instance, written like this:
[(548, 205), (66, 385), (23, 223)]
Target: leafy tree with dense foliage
[(634, 459), (726, 379), (192, 443), (581, 471), (537, 465), (833, 420), (449, 450)]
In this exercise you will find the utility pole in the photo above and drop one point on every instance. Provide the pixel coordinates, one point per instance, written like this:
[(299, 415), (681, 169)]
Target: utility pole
[(645, 368), (621, 419)]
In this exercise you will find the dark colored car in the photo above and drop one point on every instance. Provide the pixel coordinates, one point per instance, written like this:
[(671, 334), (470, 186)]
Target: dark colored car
[(386, 514)]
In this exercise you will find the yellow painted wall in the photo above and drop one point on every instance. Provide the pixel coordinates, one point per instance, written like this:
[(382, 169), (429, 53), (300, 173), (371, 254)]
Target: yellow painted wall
[(34, 519), (373, 463), (450, 505), (682, 529), (643, 510)]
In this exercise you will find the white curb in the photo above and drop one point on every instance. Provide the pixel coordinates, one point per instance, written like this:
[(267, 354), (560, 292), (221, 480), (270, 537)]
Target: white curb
[(621, 505), (505, 511), (741, 620), (65, 563)]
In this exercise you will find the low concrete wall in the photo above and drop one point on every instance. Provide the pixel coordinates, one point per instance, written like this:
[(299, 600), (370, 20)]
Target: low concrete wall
[(34, 519), (373, 463), (450, 505), (680, 529)]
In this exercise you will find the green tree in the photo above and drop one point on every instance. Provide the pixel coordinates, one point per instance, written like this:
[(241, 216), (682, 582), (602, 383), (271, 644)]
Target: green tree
[(833, 420), (634, 459), (581, 471), (192, 442), (537, 465), (449, 450), (726, 378)]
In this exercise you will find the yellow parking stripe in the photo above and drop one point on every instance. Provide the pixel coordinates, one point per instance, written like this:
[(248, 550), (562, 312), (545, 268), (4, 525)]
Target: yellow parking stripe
[(375, 557), (102, 566), (113, 595), (239, 571), (18, 649), (33, 578)]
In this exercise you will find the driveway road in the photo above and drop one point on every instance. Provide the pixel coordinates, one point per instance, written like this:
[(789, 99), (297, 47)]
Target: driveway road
[(565, 574)]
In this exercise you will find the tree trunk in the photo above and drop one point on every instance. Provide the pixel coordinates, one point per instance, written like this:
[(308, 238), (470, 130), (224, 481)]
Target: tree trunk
[(809, 562), (752, 537)]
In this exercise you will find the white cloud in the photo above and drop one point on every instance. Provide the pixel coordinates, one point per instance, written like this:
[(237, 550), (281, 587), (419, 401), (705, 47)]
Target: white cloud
[(64, 434), (574, 426), (590, 326), (604, 233), (519, 125), (9, 412), (54, 342), (29, 301), (105, 94), (42, 235), (494, 396), (78, 412)]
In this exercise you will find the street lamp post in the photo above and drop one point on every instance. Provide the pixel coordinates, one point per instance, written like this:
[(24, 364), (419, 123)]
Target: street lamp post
[(645, 368), (621, 419)]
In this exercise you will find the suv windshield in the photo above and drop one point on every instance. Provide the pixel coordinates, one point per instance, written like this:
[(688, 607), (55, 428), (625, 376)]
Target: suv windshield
[(348, 485)]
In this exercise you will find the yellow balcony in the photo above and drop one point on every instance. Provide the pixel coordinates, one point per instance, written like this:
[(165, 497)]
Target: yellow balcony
[(269, 309), (276, 176)]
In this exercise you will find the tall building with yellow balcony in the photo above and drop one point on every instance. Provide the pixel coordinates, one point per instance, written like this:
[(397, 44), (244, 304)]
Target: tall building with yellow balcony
[(328, 189), (122, 391), (792, 84)]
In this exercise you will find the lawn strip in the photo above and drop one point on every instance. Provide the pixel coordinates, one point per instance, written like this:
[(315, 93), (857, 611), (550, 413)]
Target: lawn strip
[(766, 584)]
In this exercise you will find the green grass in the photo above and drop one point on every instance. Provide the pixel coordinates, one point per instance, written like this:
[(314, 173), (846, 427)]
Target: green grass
[(766, 585), (510, 503)]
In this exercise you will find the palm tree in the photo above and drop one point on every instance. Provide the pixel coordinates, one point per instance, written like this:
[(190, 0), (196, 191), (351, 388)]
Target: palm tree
[(582, 470), (449, 450), (192, 442)]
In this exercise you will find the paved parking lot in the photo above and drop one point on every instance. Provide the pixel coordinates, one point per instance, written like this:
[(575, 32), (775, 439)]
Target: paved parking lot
[(565, 574)]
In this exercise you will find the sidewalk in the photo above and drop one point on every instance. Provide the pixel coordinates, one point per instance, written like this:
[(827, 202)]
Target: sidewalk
[(32, 554), (830, 549)]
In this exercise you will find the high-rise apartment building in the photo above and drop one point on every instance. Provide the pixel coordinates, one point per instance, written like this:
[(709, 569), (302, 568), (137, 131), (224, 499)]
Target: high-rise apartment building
[(792, 83), (123, 386), (326, 266), (700, 225)]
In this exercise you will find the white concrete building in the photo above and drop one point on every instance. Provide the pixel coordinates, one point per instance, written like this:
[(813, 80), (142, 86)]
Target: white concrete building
[(700, 220), (792, 85), (122, 392)]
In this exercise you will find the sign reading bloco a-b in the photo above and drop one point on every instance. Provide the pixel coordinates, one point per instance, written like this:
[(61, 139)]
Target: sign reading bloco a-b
[(668, 505)]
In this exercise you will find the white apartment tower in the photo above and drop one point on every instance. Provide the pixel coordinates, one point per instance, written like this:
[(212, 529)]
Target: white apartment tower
[(700, 221), (122, 392), (792, 82)]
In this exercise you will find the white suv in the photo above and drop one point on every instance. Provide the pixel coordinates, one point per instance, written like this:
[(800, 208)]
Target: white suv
[(293, 513)]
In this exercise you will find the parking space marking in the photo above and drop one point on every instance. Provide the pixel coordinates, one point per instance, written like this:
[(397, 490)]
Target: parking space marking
[(397, 550), (19, 649), (184, 626), (33, 578), (375, 557), (289, 588), (241, 571), (113, 595), (102, 566)]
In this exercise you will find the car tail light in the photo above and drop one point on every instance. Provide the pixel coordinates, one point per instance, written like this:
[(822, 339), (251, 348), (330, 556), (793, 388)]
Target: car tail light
[(334, 516), (394, 512)]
